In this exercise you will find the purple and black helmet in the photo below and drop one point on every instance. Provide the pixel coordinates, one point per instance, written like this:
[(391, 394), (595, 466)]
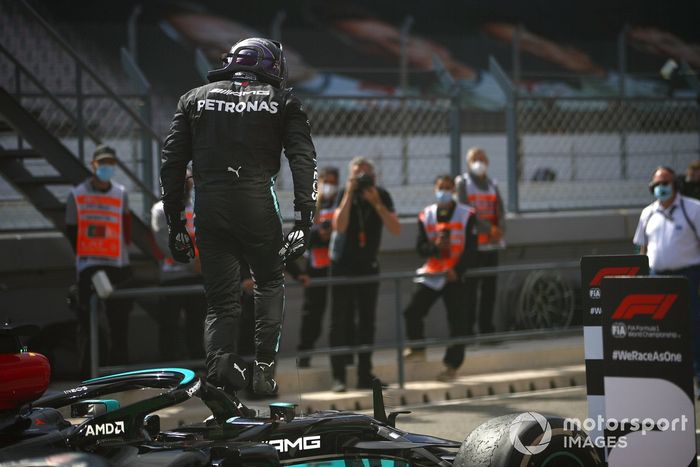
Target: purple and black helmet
[(263, 57)]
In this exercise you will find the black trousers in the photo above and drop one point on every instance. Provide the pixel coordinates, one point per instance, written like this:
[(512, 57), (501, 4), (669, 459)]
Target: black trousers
[(172, 325), (230, 225), (484, 312), (454, 296), (117, 317), (312, 311), (353, 310), (246, 328)]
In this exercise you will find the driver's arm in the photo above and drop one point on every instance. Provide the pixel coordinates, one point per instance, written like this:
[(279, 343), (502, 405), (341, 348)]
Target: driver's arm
[(176, 154), (301, 154)]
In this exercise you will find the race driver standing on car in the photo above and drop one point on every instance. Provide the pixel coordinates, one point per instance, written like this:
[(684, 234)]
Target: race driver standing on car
[(233, 130)]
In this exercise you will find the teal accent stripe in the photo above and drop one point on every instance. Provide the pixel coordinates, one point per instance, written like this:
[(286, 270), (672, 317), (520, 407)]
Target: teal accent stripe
[(283, 404), (187, 375), (110, 404), (279, 215), (274, 198)]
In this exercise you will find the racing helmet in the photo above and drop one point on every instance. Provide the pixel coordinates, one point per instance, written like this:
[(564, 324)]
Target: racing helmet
[(262, 57)]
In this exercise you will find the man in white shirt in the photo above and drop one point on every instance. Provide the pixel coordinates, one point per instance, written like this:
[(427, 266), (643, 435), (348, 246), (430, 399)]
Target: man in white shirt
[(668, 234)]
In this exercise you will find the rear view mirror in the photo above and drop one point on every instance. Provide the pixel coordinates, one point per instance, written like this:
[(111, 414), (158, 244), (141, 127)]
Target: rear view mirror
[(93, 408)]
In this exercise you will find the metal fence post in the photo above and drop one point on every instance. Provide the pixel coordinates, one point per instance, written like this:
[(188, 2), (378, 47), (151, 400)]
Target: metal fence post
[(693, 82), (18, 93), (94, 335), (143, 87), (132, 31), (516, 52), (403, 84), (622, 70), (513, 146), (201, 64), (79, 111), (455, 136), (399, 332), (276, 28), (511, 94)]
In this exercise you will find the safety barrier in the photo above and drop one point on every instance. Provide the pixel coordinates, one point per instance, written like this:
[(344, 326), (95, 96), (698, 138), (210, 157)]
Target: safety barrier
[(105, 291)]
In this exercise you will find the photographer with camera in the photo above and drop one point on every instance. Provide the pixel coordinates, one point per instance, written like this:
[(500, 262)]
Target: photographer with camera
[(447, 239), (363, 210)]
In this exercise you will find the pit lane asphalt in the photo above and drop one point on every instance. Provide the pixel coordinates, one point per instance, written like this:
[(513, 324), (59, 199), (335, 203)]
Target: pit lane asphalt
[(457, 418)]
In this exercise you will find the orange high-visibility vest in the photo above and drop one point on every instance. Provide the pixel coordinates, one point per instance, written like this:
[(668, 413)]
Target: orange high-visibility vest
[(433, 229), (318, 255), (485, 202), (100, 229), (325, 215)]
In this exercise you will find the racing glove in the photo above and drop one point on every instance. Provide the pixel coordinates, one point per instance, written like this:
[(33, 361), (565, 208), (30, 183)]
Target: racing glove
[(179, 241), (298, 238)]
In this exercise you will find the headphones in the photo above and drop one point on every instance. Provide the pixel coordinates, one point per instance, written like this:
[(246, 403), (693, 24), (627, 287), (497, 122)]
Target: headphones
[(676, 182)]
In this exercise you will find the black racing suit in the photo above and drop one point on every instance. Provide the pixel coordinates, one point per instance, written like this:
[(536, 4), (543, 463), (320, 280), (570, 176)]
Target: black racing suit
[(234, 132)]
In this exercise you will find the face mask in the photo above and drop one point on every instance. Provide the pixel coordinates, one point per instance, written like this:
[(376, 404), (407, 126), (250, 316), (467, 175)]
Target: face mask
[(663, 191), (329, 190), (105, 172), (443, 197), (478, 168)]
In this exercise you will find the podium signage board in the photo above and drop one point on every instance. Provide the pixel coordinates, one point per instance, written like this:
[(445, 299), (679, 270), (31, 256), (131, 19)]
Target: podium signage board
[(593, 270), (649, 409)]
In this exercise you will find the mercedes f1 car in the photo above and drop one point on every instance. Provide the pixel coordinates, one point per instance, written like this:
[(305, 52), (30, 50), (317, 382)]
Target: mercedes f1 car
[(83, 426)]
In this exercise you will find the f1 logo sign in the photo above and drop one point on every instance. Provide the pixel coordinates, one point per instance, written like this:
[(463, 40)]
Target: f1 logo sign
[(613, 271), (656, 305)]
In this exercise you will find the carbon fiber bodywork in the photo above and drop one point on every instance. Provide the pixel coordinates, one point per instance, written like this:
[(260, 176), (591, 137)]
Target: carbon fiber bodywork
[(234, 435)]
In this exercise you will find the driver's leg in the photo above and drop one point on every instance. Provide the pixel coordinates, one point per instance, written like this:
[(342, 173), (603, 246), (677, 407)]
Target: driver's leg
[(261, 240), (221, 275)]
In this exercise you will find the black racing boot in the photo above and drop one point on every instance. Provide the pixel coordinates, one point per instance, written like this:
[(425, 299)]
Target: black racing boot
[(224, 404), (232, 373), (264, 378)]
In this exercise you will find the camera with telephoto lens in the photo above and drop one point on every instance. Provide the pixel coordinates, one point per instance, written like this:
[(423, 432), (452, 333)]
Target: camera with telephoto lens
[(363, 180)]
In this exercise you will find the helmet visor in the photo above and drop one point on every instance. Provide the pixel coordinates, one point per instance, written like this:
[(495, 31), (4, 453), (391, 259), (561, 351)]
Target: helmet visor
[(246, 57), (259, 56)]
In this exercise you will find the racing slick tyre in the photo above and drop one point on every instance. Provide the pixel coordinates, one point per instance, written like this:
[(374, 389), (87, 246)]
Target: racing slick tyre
[(526, 440)]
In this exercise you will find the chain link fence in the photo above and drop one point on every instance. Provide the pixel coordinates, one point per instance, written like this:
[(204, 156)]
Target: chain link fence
[(557, 153), (592, 153), (407, 138), (568, 153)]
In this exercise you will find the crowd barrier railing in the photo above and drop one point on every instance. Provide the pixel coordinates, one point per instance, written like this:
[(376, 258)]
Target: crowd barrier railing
[(105, 291)]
